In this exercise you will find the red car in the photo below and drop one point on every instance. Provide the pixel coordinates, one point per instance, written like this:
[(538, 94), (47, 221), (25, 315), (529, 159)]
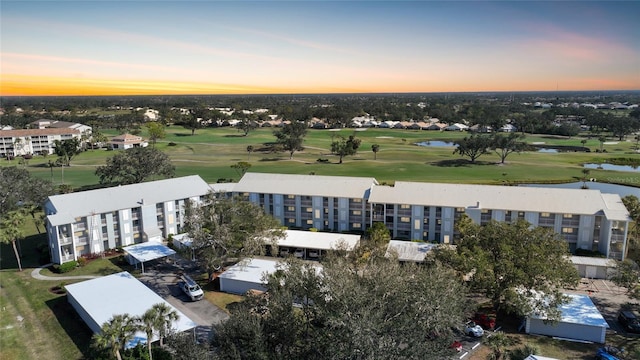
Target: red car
[(487, 321), (457, 346)]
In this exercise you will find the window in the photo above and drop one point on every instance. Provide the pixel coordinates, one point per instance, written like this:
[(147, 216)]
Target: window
[(356, 212), (356, 225), (356, 200), (403, 206), (405, 219), (567, 216), (545, 215), (291, 221), (291, 208), (309, 222), (567, 230), (309, 210), (291, 196)]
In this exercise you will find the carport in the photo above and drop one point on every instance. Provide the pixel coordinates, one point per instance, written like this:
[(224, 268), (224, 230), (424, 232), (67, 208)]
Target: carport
[(580, 320), (413, 251), (247, 275), (312, 244), (141, 253), (98, 300)]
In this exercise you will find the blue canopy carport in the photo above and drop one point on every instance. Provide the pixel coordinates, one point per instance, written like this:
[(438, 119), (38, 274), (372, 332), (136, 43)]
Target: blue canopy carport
[(141, 253)]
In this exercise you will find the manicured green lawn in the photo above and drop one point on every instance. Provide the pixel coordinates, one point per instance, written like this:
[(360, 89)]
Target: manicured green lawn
[(211, 152)]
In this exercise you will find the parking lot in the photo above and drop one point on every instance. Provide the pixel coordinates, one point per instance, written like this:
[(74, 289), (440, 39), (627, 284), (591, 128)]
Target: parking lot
[(162, 277)]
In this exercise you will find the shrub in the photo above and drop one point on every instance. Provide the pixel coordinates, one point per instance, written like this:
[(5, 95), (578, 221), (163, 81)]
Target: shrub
[(65, 267), (172, 144), (82, 261), (321, 160)]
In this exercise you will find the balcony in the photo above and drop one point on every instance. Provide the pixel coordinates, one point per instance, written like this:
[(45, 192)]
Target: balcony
[(64, 240)]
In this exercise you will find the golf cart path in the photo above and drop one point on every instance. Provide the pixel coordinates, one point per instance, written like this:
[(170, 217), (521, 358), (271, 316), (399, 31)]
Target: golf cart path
[(36, 275)]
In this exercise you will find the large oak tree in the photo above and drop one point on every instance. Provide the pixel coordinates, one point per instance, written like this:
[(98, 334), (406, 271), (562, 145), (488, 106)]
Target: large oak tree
[(135, 165), (520, 268), (347, 310)]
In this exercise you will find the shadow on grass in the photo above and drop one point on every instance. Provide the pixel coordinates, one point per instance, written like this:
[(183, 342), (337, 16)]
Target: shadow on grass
[(31, 257), (72, 324), (235, 136), (453, 163), (270, 159), (183, 134)]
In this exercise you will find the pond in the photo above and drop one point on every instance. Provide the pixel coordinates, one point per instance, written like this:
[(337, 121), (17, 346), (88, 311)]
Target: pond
[(612, 167), (548, 150), (603, 187), (436, 143)]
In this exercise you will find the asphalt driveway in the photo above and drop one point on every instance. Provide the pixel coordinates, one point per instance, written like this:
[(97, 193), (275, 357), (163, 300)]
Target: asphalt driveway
[(162, 276)]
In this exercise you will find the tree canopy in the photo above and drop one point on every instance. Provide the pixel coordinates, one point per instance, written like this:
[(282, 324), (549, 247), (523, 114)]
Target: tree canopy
[(18, 188), (291, 136), (156, 131), (473, 146), (376, 310), (345, 146), (503, 145), (67, 149), (135, 165), (515, 266), (224, 230)]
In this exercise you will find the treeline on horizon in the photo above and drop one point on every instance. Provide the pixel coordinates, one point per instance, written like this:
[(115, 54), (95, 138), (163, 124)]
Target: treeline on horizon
[(484, 109)]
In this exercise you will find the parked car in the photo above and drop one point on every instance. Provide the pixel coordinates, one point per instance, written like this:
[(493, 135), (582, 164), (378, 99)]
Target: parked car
[(457, 346), (487, 321), (608, 353), (299, 253), (629, 321), (473, 329), (191, 288)]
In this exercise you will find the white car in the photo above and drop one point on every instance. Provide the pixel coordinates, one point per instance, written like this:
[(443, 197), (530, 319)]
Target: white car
[(473, 329), (190, 288)]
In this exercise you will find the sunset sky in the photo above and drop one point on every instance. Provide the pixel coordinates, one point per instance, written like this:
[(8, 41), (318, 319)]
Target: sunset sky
[(241, 47)]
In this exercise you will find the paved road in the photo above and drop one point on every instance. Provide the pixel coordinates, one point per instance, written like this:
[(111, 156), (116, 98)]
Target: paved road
[(162, 277)]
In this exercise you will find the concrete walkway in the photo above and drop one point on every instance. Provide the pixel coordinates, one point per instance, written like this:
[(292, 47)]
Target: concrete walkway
[(36, 275)]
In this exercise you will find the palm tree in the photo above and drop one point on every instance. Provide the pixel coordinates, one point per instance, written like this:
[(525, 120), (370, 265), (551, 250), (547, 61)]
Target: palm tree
[(498, 344), (116, 333), (166, 316), (375, 148), (148, 323), (249, 150), (11, 230)]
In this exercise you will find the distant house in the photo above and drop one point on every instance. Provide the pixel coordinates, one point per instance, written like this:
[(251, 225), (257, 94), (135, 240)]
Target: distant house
[(508, 128), (55, 124), (436, 126), (127, 141), (456, 127)]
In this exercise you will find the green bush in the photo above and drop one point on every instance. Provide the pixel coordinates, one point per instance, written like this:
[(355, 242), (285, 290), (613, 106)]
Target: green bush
[(66, 267)]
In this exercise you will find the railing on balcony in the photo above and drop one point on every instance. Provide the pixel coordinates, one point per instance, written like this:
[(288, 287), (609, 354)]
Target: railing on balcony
[(83, 240), (64, 240), (570, 223), (79, 227), (617, 255), (546, 222)]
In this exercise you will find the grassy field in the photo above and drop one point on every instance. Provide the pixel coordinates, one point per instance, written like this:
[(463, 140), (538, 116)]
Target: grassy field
[(211, 152)]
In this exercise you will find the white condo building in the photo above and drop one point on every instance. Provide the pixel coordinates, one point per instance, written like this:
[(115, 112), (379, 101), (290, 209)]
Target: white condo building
[(93, 221), (97, 220)]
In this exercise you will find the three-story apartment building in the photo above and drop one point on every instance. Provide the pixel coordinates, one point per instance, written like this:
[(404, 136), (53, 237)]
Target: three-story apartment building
[(587, 219), (97, 220)]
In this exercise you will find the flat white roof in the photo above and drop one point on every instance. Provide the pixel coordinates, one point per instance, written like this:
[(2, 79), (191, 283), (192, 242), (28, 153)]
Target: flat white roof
[(83, 203), (409, 250), (148, 251), (251, 270), (517, 198), (183, 239), (118, 294), (318, 240), (580, 310), (309, 185), (592, 261)]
